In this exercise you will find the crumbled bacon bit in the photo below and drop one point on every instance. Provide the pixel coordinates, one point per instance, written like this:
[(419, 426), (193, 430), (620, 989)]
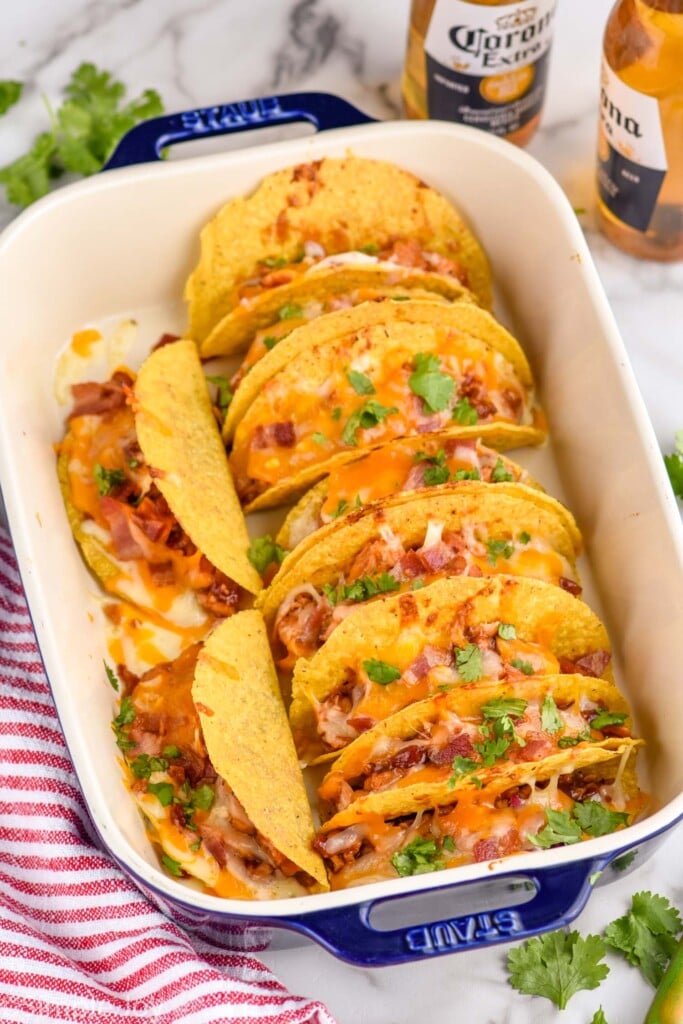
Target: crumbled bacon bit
[(166, 339), (569, 585)]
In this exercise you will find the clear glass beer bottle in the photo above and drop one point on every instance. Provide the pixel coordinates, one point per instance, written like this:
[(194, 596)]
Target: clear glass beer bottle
[(479, 62), (640, 143)]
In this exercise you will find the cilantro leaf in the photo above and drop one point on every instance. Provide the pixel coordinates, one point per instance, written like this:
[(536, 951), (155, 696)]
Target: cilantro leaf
[(84, 132), (646, 935), (107, 480), (551, 720), (111, 676), (524, 537), (496, 549), (507, 631), (557, 965), (433, 387), (263, 551), (505, 709), (435, 475), (163, 791), (270, 341), (467, 474), (381, 671), (469, 662), (10, 93), (203, 797), (499, 473), (608, 718), (674, 465), (462, 766), (597, 820), (143, 765), (318, 437), (465, 413), (599, 1017), (560, 830), (365, 417), (290, 311), (342, 506), (573, 741), (274, 262), (126, 716), (224, 394), (172, 866), (417, 858), (360, 383), (523, 666)]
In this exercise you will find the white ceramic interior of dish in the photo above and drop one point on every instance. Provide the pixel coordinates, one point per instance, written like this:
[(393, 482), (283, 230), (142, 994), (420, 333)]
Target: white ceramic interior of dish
[(121, 245)]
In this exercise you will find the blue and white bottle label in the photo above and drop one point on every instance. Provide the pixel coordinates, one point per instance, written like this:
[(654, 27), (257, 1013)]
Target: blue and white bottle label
[(488, 66), (631, 154)]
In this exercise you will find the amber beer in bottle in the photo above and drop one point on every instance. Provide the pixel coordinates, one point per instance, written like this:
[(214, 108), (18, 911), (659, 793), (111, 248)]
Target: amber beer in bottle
[(479, 62), (640, 144)]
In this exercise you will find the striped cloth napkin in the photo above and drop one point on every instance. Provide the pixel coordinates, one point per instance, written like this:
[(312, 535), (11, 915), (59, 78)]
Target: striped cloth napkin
[(78, 942)]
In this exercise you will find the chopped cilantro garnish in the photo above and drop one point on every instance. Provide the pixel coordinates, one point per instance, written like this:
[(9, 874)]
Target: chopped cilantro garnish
[(448, 844), (523, 666), (465, 413), (560, 830), (203, 797), (433, 387), (223, 391), (505, 709), (340, 509), (107, 480), (370, 249), (573, 741), (111, 676), (608, 718), (435, 475), (462, 766), (496, 549), (172, 866), (360, 383), (290, 311), (469, 662), (10, 92), (596, 820), (361, 589), (417, 584), (270, 341), (195, 845), (143, 765), (381, 671), (275, 262), (163, 791), (365, 417), (551, 720), (133, 463), (400, 298), (126, 716), (524, 537), (417, 858), (499, 473), (467, 474), (171, 751), (263, 551), (318, 437), (336, 413), (506, 631)]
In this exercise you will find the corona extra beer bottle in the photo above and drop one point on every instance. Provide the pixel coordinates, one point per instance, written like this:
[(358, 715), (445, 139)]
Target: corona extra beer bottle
[(640, 143), (479, 62)]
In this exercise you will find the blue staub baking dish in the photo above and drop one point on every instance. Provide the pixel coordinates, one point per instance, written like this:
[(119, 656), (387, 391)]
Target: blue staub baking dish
[(119, 246)]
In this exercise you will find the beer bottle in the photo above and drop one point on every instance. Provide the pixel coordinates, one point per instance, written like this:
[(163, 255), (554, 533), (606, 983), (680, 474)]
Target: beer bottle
[(479, 62), (640, 143)]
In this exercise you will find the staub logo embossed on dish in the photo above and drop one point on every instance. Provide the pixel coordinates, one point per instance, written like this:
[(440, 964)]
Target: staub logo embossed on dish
[(463, 931), (249, 112)]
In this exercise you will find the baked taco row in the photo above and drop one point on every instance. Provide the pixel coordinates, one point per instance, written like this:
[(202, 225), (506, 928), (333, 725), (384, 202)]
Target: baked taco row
[(319, 232)]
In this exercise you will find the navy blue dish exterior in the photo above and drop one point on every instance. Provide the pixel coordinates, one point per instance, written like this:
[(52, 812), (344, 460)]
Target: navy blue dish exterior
[(561, 892)]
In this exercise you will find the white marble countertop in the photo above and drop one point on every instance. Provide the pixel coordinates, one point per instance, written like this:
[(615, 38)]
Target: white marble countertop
[(201, 52)]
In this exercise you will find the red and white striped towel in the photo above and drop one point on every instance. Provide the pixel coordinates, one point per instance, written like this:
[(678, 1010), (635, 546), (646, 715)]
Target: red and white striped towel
[(78, 942)]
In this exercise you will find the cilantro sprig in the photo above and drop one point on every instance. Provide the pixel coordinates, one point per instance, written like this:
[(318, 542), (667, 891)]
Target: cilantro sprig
[(563, 828), (263, 551), (557, 965), (83, 133), (433, 387), (674, 465), (10, 93), (381, 671), (419, 857), (647, 934), (368, 415)]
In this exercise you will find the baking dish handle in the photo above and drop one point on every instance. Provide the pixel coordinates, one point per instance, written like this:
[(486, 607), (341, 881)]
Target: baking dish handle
[(347, 932), (146, 141)]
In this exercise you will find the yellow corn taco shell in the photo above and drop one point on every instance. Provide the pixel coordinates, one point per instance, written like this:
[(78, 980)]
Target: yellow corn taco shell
[(462, 317), (245, 729), (180, 440), (314, 290), (505, 511), (380, 473), (342, 205), (609, 762), (464, 702), (397, 628)]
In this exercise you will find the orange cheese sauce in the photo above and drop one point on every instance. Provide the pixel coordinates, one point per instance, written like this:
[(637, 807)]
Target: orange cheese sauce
[(92, 440), (385, 471), (82, 342), (321, 414)]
